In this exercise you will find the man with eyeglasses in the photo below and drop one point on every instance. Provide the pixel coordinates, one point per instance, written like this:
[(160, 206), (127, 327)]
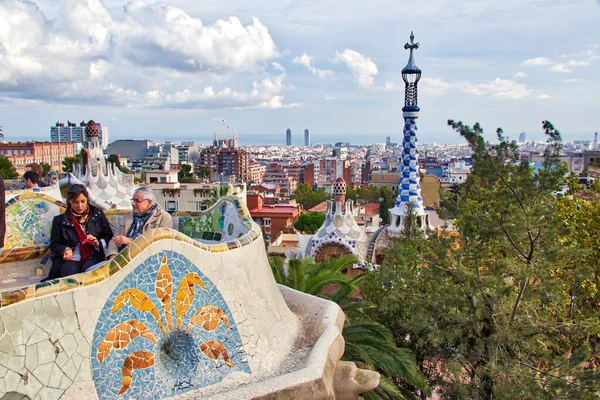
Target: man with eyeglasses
[(146, 215)]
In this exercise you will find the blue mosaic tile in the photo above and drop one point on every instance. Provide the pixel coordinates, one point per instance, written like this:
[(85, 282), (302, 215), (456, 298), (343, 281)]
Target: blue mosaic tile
[(138, 354)]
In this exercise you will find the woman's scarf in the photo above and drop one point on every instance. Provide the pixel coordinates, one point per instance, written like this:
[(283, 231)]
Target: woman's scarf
[(86, 249), (139, 220)]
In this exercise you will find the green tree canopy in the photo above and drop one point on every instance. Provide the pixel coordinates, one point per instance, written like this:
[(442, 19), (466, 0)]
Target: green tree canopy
[(69, 163), (487, 310), (114, 160), (309, 222), (45, 169), (307, 197), (7, 169), (186, 174), (203, 171), (374, 194)]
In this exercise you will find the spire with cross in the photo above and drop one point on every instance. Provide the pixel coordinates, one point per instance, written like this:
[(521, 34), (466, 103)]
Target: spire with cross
[(409, 189), (411, 75)]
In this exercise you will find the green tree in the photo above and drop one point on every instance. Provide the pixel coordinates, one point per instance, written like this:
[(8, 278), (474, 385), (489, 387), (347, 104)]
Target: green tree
[(307, 197), (7, 169), (186, 174), (45, 169), (486, 310), (203, 171), (69, 163), (579, 210), (216, 192), (367, 343), (114, 160), (374, 194), (309, 222)]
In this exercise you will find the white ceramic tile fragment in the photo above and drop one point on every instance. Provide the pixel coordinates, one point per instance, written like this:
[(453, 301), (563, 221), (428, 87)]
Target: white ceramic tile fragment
[(47, 351), (42, 372)]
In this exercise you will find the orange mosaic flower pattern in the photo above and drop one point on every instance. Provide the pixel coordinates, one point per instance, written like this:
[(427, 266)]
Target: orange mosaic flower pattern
[(215, 349), (208, 317), (185, 295), (136, 360), (122, 335)]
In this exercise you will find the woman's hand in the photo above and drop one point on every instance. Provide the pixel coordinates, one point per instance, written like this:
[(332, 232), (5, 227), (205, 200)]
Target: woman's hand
[(92, 239), (67, 254), (121, 240)]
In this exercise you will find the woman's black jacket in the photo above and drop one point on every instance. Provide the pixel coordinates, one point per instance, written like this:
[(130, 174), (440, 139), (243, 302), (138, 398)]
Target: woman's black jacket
[(64, 236)]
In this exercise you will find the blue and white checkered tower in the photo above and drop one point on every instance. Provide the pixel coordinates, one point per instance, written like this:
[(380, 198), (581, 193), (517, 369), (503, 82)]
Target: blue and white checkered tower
[(409, 190)]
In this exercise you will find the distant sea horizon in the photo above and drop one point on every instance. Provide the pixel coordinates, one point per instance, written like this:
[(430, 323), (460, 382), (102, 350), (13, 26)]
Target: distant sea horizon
[(266, 139), (355, 139)]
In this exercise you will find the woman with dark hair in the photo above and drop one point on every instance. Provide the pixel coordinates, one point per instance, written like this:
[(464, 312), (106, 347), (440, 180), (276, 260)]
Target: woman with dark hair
[(79, 236)]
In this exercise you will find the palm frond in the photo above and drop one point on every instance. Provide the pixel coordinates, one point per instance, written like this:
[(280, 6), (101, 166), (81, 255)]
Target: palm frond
[(277, 268), (373, 345), (385, 391)]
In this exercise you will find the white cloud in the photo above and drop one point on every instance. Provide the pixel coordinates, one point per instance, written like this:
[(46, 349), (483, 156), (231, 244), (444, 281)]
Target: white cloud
[(520, 75), (561, 68), (591, 55), (434, 87), (544, 97), (361, 67), (501, 88), (390, 86), (265, 93), (165, 35), (99, 69), (277, 66), (564, 67), (538, 61), (93, 54), (576, 63), (307, 61)]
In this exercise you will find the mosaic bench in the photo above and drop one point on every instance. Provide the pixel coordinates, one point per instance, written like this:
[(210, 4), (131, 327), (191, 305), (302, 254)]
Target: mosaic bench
[(174, 317), (29, 221)]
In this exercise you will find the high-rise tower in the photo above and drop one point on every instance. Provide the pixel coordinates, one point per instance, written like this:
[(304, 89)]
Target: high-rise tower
[(306, 137), (409, 190), (288, 137)]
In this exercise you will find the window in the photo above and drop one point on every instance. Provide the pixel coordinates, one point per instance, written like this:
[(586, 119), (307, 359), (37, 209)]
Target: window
[(153, 180), (170, 205), (200, 206), (163, 179), (267, 221)]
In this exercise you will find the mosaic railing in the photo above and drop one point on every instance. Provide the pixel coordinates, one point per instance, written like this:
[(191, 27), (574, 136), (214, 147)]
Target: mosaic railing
[(28, 224), (224, 221), (246, 230), (29, 221)]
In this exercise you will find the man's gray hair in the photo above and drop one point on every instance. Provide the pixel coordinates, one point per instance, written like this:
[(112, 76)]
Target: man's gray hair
[(147, 192)]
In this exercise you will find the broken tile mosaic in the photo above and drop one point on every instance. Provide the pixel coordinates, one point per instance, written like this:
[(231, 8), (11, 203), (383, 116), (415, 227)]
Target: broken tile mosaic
[(138, 351)]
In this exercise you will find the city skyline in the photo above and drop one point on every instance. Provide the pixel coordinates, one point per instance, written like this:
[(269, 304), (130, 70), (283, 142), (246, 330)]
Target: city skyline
[(167, 70)]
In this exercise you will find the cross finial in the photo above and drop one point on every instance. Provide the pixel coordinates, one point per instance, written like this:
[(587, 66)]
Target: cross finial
[(412, 45)]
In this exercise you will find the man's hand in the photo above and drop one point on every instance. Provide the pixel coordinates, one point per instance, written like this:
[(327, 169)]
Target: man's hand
[(67, 254), (122, 240)]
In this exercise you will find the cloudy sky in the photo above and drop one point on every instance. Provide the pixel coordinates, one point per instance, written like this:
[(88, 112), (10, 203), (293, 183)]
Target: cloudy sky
[(171, 70)]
